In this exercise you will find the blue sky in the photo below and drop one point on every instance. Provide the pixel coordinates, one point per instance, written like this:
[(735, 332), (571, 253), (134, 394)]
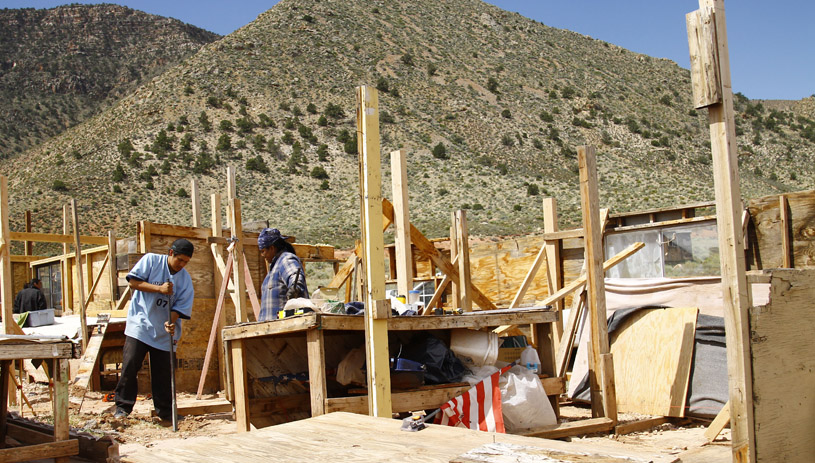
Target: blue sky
[(771, 43)]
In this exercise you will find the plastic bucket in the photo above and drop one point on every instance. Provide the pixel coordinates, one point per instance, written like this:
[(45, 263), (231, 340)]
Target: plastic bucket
[(476, 347)]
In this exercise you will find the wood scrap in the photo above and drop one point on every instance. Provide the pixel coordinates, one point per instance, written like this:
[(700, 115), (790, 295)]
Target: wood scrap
[(101, 449)]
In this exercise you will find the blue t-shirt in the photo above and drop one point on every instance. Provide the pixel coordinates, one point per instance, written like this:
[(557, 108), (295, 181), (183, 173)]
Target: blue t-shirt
[(149, 311)]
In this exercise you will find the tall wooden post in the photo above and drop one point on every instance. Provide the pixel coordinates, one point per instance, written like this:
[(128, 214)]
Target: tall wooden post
[(67, 274), (83, 323), (401, 219), (112, 270), (604, 400), (241, 310), (5, 265), (710, 74), (28, 247), (217, 251), (455, 301), (463, 238), (231, 192), (377, 310), (555, 280), (196, 203)]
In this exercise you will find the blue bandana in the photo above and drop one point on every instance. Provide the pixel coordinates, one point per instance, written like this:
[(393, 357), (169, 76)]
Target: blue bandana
[(268, 236)]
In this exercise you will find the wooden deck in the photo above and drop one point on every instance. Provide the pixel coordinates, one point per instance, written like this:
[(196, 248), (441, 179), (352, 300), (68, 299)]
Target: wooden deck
[(349, 437)]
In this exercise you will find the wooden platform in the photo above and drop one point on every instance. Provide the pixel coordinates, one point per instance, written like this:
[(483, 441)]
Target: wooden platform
[(348, 437)]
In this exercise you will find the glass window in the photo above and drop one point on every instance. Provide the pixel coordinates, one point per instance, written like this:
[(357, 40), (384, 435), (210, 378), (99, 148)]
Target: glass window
[(50, 275), (681, 251)]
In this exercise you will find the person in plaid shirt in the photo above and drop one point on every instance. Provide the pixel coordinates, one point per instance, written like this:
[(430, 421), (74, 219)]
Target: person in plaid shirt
[(286, 278)]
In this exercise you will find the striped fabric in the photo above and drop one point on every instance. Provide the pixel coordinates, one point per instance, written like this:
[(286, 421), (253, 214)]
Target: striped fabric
[(479, 408)]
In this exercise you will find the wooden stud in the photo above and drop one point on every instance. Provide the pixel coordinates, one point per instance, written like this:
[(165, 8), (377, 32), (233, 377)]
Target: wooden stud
[(376, 330), (5, 267), (455, 292), (731, 249), (145, 236), (786, 245), (564, 350), (315, 341), (113, 277), (546, 354), (250, 288), (28, 246), (530, 276), (83, 322), (240, 384), (67, 273), (596, 302), (404, 257), (215, 332), (463, 236), (5, 368), (718, 423), (57, 238), (553, 262), (241, 310), (231, 192), (61, 426), (196, 203)]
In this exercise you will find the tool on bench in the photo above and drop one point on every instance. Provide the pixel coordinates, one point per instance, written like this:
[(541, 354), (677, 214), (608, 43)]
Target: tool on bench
[(416, 422), (458, 311)]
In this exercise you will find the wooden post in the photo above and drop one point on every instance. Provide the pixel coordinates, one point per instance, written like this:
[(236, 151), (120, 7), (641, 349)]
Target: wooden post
[(241, 387), (404, 257), (29, 245), (231, 192), (735, 290), (67, 273), (196, 203), (5, 268), (315, 342), (455, 301), (218, 249), (553, 264), (589, 202), (241, 310), (112, 269), (463, 236), (62, 426), (376, 329), (786, 244), (83, 323)]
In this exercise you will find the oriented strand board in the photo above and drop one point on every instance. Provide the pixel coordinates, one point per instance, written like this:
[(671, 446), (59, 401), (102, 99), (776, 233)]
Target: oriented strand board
[(652, 353), (783, 357)]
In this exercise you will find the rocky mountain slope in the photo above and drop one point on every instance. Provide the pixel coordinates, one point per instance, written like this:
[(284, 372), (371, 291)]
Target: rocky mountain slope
[(61, 65), (490, 107)]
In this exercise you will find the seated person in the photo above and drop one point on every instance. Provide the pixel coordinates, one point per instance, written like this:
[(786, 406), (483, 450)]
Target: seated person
[(30, 298)]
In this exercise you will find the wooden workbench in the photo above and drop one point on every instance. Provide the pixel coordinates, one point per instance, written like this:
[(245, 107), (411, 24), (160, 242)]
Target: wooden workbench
[(263, 353), (29, 347)]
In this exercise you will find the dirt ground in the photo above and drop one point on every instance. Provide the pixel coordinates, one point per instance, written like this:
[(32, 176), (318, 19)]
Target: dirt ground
[(683, 439)]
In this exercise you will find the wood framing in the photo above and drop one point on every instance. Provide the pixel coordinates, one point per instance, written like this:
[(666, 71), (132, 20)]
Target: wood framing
[(404, 256), (195, 196), (5, 261), (553, 263), (463, 238), (83, 322), (376, 330), (728, 213)]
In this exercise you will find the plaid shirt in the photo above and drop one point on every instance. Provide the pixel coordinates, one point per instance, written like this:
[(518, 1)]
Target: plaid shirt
[(282, 274)]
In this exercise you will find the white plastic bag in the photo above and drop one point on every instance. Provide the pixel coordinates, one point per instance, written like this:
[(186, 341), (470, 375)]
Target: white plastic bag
[(524, 401), (350, 371)]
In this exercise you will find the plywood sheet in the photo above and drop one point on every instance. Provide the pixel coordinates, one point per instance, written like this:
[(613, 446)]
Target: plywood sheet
[(783, 357), (652, 353), (349, 437)]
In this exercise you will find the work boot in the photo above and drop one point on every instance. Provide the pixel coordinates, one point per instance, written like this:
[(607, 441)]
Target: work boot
[(163, 422), (121, 413)]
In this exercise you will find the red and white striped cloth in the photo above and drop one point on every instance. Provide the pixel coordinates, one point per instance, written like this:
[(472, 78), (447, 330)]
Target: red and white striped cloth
[(479, 408)]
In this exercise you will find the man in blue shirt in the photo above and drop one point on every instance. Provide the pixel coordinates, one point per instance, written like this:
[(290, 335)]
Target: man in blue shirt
[(286, 278), (161, 290)]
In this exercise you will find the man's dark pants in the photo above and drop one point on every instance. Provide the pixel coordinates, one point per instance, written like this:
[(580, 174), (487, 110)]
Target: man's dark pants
[(133, 355)]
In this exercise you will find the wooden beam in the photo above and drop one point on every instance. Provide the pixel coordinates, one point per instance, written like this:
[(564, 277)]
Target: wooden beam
[(5, 264), (145, 236), (83, 322), (112, 272), (640, 425), (55, 238), (250, 289), (215, 332), (728, 211), (463, 238), (404, 257), (28, 247), (596, 294), (704, 56), (240, 384), (455, 292), (231, 191), (440, 261), (721, 420), (572, 428), (196, 203), (241, 310), (786, 245), (225, 368), (564, 348), (553, 264), (315, 342), (376, 330), (530, 276), (662, 224), (47, 451)]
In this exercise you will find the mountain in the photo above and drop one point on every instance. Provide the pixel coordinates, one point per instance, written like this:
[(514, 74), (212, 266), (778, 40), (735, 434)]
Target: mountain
[(489, 106), (60, 66)]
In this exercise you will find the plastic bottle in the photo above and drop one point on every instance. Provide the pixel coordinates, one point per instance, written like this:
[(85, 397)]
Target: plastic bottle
[(530, 359)]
